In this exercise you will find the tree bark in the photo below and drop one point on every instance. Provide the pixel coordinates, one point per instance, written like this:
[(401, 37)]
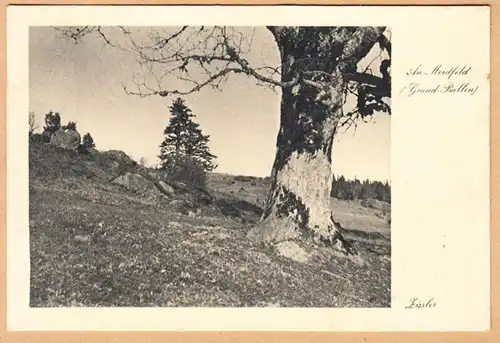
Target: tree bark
[(298, 204)]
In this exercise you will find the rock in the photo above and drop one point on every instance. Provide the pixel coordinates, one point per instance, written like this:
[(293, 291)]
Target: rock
[(135, 182), (293, 251), (185, 207), (66, 139), (119, 156), (166, 189), (82, 239), (179, 206)]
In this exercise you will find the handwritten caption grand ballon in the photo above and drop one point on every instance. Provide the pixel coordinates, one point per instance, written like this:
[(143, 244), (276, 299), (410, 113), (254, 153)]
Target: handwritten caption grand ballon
[(439, 79)]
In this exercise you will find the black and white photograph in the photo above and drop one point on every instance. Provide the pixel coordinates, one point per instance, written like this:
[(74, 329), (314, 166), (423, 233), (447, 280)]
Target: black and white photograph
[(248, 168), (210, 166)]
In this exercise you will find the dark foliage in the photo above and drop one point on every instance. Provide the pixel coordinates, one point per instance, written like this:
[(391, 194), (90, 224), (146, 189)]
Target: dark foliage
[(88, 142), (52, 124), (184, 140), (185, 169), (354, 189), (243, 178), (70, 126)]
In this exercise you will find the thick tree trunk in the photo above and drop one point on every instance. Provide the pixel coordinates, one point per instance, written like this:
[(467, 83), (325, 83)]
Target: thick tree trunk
[(299, 200)]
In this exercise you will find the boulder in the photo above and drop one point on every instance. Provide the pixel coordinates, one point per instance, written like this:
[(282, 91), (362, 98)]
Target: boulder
[(165, 188), (135, 182), (179, 206), (66, 139), (119, 156), (82, 239), (293, 251)]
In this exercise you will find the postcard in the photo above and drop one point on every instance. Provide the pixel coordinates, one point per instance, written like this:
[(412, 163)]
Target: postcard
[(221, 168)]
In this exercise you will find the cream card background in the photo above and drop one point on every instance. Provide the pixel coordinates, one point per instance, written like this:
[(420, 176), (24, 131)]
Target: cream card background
[(439, 161)]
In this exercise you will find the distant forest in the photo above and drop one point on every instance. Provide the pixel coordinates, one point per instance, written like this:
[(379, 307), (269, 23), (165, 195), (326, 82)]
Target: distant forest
[(344, 189)]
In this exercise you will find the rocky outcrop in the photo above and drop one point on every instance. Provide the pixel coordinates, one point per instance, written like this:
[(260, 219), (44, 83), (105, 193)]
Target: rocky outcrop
[(66, 139), (119, 156), (135, 182), (165, 188)]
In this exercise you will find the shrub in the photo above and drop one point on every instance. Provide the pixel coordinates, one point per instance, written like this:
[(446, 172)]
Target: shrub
[(186, 170), (70, 126), (88, 142), (243, 178), (52, 124), (38, 137)]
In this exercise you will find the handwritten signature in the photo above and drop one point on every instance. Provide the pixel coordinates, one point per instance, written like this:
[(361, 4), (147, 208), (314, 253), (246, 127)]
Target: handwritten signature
[(417, 303)]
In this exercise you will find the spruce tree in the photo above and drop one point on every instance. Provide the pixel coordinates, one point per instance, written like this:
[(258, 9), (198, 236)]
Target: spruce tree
[(185, 140)]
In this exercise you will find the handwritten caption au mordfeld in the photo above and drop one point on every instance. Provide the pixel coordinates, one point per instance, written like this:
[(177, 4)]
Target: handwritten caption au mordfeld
[(439, 79)]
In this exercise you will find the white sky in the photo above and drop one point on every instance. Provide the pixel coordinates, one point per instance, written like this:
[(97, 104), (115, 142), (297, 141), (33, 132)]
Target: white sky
[(83, 82)]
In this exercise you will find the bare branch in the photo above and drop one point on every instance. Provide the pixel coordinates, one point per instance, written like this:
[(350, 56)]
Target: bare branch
[(98, 29), (202, 56), (198, 86)]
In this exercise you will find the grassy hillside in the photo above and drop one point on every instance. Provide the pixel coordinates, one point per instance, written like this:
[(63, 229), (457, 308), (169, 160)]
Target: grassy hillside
[(98, 243)]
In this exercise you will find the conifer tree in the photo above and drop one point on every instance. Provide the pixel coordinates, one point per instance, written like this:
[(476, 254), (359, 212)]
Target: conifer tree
[(88, 142), (184, 139), (52, 122)]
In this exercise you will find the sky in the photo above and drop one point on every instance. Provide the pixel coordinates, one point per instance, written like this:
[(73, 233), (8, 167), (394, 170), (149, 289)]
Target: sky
[(84, 83)]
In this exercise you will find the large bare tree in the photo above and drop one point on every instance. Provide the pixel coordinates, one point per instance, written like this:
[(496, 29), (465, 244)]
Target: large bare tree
[(319, 70)]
